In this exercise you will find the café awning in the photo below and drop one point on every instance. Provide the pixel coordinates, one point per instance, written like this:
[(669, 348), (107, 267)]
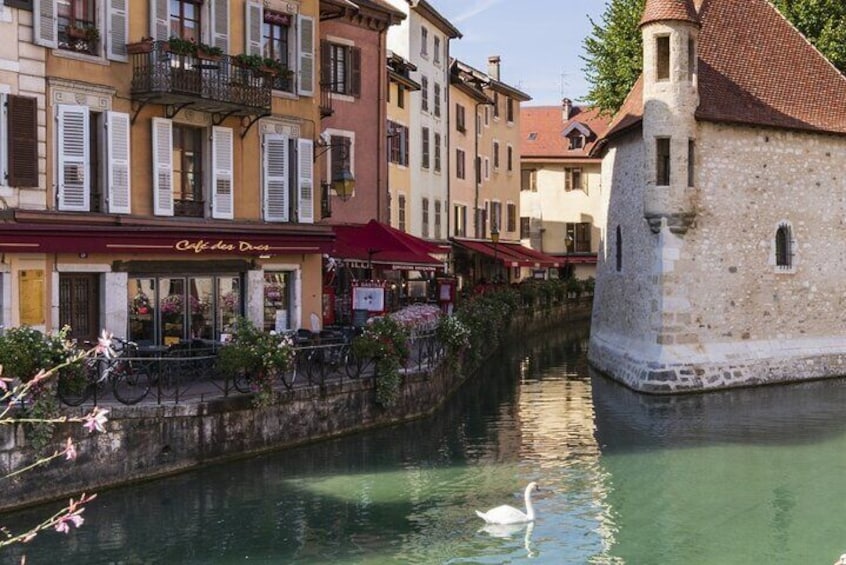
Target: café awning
[(511, 254), (374, 243)]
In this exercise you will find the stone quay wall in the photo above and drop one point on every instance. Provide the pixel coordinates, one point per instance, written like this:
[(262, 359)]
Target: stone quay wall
[(147, 441)]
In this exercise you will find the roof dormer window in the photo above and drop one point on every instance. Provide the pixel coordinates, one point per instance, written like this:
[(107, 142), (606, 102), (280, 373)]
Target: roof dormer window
[(577, 141)]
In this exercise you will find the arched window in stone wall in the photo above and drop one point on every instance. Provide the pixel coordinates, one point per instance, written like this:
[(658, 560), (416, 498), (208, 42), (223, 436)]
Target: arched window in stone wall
[(784, 247), (619, 249)]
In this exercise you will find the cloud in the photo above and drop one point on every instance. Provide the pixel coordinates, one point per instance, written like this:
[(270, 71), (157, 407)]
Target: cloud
[(477, 8)]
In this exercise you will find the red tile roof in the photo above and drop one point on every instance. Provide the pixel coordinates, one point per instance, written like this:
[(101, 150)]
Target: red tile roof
[(755, 68), (547, 123), (679, 10)]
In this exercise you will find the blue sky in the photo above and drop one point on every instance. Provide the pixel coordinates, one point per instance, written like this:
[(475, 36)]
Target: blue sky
[(539, 41)]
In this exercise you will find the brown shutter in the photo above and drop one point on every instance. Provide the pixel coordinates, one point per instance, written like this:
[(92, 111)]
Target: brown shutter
[(23, 141), (355, 71), (325, 65)]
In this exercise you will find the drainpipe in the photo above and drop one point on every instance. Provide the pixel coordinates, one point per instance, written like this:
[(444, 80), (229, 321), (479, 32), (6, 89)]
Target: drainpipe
[(477, 165), (381, 128)]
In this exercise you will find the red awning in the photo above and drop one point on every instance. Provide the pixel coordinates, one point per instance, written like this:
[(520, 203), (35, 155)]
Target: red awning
[(377, 243), (583, 259), (511, 254)]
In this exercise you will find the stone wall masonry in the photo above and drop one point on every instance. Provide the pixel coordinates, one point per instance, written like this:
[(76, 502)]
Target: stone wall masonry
[(148, 441)]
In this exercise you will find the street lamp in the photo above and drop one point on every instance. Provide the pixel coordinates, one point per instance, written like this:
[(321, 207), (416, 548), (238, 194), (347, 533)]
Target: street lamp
[(495, 240)]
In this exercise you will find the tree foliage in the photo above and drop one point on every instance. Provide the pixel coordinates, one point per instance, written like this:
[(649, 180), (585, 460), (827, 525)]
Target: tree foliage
[(614, 53)]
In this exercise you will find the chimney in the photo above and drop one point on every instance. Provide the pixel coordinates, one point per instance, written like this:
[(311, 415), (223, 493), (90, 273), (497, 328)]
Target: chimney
[(493, 67), (566, 108)]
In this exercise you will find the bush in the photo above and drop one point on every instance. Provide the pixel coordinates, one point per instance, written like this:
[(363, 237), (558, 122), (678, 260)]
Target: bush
[(24, 351), (385, 341)]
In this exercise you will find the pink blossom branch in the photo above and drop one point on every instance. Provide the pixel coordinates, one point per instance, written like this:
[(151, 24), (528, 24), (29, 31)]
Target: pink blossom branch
[(61, 521)]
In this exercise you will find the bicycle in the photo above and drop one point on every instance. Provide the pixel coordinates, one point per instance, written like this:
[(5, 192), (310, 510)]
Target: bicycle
[(243, 379), (129, 379)]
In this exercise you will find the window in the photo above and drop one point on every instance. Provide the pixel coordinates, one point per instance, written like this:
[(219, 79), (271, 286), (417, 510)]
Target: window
[(577, 140), (577, 237), (276, 32), (92, 152), (496, 105), (691, 59), (619, 249), (21, 141), (529, 180), (341, 68), (496, 215), (662, 161), (662, 57), (525, 227), (436, 50), (288, 176), (424, 41), (185, 19), (437, 100), (437, 233), (784, 247), (487, 168), (509, 109), (400, 96), (459, 164), (188, 171), (340, 157), (424, 93), (510, 158), (511, 217), (460, 220), (401, 212), (496, 155), (573, 178), (481, 226), (691, 154), (397, 143), (460, 124), (437, 152), (424, 156), (77, 26), (425, 218), (487, 113)]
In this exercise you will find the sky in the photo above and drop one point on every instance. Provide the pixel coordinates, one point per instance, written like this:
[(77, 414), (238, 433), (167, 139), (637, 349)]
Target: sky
[(540, 42)]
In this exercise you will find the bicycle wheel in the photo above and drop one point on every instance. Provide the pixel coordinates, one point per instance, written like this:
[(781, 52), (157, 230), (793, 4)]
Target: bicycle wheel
[(73, 388), (242, 382), (289, 375), (357, 366), (315, 366), (130, 381)]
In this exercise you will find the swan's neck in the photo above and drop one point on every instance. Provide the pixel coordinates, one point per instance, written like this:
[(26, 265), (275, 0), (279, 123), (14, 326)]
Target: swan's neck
[(530, 510)]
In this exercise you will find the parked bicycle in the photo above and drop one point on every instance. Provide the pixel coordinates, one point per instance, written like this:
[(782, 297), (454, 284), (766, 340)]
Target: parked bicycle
[(129, 379)]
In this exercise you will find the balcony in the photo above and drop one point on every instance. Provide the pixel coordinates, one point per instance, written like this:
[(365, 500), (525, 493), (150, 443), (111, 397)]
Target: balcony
[(326, 89), (217, 85)]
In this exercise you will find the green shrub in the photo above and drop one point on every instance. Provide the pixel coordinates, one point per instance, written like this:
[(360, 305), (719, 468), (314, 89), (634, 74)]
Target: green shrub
[(385, 341)]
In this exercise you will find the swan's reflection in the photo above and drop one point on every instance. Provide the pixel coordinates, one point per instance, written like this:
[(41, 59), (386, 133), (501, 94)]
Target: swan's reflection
[(508, 531)]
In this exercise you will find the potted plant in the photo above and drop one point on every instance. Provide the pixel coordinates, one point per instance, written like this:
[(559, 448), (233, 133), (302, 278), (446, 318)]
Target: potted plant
[(179, 46), (248, 61), (144, 46), (209, 52)]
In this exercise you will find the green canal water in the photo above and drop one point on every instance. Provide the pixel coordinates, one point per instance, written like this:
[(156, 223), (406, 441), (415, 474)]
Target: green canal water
[(747, 476)]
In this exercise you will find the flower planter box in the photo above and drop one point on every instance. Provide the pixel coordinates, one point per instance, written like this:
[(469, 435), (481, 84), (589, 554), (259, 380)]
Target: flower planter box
[(139, 47)]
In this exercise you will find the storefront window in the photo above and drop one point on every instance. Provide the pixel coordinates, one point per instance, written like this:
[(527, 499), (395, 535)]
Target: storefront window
[(228, 304), (277, 301), (142, 301)]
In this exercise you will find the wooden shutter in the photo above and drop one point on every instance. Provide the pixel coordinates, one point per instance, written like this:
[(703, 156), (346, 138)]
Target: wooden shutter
[(118, 171), (219, 18), (162, 167), (305, 50), (355, 71), (325, 64), (254, 20), (45, 23), (305, 175), (275, 178), (118, 32), (73, 158), (159, 20), (222, 173), (568, 178), (22, 155)]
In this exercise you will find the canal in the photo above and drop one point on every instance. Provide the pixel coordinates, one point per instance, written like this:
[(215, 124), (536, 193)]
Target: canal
[(745, 476)]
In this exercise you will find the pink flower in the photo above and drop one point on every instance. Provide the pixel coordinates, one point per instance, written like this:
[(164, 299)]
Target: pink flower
[(70, 450), (95, 420), (4, 384), (64, 523), (104, 345)]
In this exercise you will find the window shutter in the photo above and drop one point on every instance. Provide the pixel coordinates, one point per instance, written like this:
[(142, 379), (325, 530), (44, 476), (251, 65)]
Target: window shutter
[(45, 23), (219, 19), (118, 30), (305, 175), (73, 158), (568, 179), (252, 29), (355, 71), (325, 64), (118, 162), (159, 25), (275, 162), (305, 46), (222, 173), (22, 119), (162, 167)]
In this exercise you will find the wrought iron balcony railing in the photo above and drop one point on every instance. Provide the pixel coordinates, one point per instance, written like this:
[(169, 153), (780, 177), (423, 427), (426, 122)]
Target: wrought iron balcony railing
[(216, 84)]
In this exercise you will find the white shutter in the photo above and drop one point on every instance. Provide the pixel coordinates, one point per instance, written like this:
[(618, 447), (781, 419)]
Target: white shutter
[(305, 51), (118, 21), (159, 24), (275, 178), (305, 176), (73, 159), (219, 19), (162, 167), (254, 19), (222, 173), (45, 23), (118, 162)]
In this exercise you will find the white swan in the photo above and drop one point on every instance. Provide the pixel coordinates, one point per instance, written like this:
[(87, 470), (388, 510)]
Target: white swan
[(508, 514)]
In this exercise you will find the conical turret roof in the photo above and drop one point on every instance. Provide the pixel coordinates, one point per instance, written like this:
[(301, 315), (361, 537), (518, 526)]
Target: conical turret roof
[(675, 10)]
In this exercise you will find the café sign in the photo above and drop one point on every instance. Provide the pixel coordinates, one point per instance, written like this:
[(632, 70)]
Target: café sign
[(209, 246)]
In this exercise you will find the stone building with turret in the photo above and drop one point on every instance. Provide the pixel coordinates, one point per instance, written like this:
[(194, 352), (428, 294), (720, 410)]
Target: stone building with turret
[(722, 259)]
